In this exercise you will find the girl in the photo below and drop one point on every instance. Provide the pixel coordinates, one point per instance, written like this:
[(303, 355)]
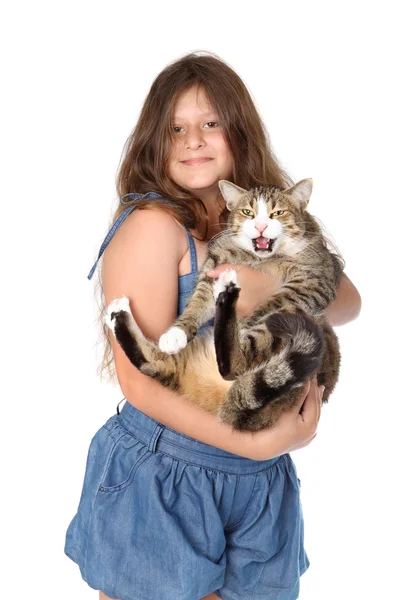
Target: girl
[(176, 506)]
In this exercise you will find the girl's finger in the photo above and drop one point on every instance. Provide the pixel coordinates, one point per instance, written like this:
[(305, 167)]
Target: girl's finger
[(321, 392), (214, 273), (318, 399), (309, 407), (321, 389), (304, 395)]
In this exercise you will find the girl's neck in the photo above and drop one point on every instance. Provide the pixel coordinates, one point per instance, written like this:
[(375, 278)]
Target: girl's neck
[(214, 209), (214, 227), (213, 230)]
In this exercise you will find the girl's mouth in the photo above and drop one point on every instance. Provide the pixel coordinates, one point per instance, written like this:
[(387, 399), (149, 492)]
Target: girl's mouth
[(196, 161)]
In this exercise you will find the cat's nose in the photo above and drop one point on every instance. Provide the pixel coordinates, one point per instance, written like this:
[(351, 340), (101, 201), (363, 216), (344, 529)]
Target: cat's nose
[(261, 226)]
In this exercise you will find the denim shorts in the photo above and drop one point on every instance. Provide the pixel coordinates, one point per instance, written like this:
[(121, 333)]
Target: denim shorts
[(165, 517)]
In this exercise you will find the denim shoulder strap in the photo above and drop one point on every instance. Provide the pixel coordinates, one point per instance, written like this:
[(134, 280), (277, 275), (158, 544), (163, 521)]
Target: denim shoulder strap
[(126, 212), (192, 251)]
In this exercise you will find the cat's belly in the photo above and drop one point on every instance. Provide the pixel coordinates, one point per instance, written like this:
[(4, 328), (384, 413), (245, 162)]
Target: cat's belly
[(201, 380)]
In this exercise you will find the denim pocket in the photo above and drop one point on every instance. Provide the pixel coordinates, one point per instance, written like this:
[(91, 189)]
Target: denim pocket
[(127, 454)]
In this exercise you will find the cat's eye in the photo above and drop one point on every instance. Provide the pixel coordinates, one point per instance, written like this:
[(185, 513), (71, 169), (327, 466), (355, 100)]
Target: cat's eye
[(277, 213), (247, 212)]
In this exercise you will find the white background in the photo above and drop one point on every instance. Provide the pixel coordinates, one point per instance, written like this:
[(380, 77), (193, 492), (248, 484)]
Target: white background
[(75, 74)]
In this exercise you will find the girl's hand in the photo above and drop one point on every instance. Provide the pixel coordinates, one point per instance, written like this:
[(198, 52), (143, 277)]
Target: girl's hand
[(296, 428), (257, 287)]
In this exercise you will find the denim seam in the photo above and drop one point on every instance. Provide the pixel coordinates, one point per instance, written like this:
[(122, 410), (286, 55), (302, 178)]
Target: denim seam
[(129, 432), (228, 529), (134, 466), (147, 432), (194, 452), (93, 503), (115, 438), (131, 476), (192, 464), (275, 587)]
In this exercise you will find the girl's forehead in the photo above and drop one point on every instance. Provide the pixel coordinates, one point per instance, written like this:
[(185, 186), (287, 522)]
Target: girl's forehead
[(193, 101)]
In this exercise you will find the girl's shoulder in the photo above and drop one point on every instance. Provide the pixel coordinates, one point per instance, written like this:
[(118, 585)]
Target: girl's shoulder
[(150, 231)]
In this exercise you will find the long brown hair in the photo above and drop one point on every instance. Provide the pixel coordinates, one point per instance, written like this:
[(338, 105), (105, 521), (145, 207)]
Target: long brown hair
[(144, 160)]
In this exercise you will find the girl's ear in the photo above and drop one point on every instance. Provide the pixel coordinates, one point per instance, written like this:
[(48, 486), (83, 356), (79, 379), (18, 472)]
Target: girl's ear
[(231, 193), (301, 192)]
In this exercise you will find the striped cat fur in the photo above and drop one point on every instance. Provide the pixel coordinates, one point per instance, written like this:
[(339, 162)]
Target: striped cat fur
[(250, 370)]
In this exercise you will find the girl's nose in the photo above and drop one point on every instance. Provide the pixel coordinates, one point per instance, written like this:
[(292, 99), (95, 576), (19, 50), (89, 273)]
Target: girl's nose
[(194, 140)]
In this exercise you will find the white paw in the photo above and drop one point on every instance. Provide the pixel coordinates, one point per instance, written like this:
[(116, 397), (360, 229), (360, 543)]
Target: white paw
[(173, 340), (225, 278), (117, 305)]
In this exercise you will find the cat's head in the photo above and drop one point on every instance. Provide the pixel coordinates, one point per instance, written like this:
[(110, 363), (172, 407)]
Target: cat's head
[(267, 219)]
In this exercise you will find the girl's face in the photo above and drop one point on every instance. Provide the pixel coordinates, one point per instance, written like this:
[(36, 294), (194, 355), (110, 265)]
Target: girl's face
[(200, 156)]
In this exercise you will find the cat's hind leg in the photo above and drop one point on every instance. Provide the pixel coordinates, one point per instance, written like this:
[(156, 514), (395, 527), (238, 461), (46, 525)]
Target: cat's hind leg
[(257, 398), (230, 357), (143, 353), (237, 348), (120, 320)]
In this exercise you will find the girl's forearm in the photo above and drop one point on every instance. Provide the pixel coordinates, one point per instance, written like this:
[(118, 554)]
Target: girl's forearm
[(168, 408), (347, 304)]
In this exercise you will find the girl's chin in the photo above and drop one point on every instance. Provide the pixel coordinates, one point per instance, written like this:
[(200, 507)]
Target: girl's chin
[(200, 185)]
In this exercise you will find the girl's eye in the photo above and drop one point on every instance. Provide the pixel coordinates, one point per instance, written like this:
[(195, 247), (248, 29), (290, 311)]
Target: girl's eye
[(277, 213), (247, 212), (209, 125)]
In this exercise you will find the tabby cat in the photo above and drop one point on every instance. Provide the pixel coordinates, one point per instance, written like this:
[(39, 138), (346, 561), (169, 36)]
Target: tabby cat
[(250, 370)]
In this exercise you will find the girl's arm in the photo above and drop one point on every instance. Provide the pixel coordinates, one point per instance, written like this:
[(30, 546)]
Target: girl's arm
[(141, 263), (347, 304)]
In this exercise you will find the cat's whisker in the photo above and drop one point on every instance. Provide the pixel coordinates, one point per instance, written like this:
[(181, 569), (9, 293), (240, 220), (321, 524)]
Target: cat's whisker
[(225, 233)]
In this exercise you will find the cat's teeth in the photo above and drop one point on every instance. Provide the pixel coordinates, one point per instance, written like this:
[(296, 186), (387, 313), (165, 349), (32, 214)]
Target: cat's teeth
[(173, 340)]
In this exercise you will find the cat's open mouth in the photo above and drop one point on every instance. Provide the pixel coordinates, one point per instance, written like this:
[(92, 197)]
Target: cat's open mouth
[(263, 243)]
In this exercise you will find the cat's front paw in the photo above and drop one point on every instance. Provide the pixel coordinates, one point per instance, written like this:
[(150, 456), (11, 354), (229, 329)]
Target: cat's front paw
[(173, 340), (226, 279), (114, 308)]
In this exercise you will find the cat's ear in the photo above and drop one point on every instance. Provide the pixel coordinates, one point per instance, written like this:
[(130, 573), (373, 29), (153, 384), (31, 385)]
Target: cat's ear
[(231, 193), (301, 192)]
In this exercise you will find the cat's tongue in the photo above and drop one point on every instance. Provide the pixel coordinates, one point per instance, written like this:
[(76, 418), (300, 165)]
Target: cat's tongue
[(262, 242)]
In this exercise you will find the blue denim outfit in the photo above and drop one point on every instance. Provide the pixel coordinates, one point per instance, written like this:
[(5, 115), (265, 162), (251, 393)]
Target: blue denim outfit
[(163, 516)]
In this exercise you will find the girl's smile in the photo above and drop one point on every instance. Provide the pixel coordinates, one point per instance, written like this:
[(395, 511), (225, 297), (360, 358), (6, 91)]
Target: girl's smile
[(195, 161)]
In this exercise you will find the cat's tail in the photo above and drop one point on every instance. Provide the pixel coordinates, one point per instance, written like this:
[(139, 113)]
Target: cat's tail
[(302, 356), (297, 354)]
